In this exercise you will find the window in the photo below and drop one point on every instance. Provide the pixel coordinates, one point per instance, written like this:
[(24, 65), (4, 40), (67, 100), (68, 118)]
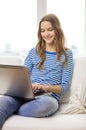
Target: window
[(18, 23), (72, 17), (18, 26)]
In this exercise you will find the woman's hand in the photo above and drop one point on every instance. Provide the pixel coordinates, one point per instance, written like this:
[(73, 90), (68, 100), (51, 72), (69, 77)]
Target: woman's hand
[(49, 88), (37, 86)]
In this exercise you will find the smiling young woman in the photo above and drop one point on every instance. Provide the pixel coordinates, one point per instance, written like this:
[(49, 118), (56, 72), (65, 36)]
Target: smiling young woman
[(50, 65)]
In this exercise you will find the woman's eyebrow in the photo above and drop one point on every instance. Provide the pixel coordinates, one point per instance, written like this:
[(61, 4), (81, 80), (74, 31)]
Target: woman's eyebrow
[(47, 28)]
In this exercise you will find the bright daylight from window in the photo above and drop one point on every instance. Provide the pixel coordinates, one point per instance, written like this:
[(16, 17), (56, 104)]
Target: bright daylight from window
[(72, 16), (18, 26)]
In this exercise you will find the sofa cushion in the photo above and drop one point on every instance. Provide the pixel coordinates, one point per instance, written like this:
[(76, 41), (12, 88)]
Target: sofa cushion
[(55, 122), (77, 104), (79, 73)]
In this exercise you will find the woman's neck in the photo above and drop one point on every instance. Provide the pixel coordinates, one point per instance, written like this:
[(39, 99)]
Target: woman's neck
[(51, 48)]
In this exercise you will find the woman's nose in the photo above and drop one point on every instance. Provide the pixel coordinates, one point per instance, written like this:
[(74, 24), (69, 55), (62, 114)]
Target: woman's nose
[(46, 33)]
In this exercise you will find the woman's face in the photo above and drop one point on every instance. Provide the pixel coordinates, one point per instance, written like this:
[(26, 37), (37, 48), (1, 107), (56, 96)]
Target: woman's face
[(47, 32)]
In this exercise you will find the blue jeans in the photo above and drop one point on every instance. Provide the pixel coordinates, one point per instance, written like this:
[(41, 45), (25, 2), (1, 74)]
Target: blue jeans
[(42, 106)]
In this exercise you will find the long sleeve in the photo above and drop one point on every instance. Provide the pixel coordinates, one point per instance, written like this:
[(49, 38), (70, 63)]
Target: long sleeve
[(67, 73), (28, 60)]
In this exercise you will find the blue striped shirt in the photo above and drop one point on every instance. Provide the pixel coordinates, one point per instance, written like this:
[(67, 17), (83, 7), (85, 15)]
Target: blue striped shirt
[(54, 73)]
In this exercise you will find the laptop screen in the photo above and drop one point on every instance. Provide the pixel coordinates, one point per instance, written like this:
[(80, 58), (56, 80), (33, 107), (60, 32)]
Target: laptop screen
[(15, 81)]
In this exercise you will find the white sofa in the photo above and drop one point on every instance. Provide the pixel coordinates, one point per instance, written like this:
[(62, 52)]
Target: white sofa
[(58, 121)]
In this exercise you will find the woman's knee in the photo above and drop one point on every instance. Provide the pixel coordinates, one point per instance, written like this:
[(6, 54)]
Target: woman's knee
[(7, 102), (49, 105), (40, 107)]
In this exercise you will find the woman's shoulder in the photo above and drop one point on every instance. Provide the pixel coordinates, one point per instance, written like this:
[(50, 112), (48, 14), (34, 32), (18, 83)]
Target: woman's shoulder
[(68, 51), (32, 50)]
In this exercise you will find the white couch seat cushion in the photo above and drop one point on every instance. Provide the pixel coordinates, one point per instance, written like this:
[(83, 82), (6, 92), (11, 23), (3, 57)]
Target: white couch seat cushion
[(56, 122)]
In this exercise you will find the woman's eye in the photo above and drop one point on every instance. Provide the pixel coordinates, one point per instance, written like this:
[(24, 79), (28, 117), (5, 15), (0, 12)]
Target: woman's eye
[(42, 30), (50, 29)]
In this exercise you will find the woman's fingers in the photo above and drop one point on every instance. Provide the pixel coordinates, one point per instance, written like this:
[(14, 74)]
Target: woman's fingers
[(36, 86)]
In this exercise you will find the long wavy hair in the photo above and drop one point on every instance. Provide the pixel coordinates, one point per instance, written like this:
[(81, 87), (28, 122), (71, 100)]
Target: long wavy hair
[(58, 41)]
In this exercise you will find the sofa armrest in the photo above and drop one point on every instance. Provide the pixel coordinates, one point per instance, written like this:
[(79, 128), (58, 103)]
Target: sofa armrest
[(11, 60)]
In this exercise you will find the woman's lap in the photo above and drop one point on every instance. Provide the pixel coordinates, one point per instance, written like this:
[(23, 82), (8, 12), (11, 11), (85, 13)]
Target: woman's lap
[(42, 106)]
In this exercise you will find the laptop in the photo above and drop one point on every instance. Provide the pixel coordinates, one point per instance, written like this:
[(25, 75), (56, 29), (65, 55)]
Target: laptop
[(15, 82)]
